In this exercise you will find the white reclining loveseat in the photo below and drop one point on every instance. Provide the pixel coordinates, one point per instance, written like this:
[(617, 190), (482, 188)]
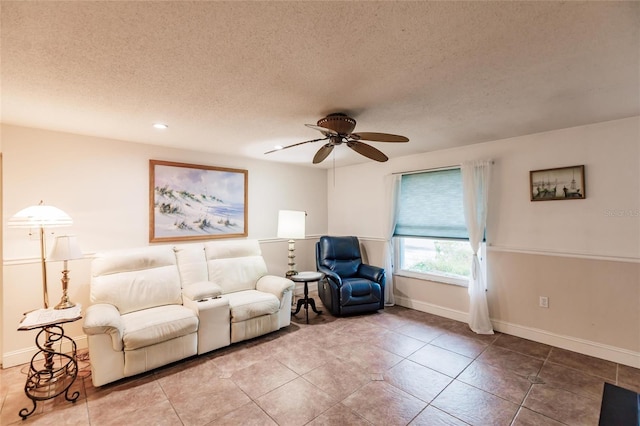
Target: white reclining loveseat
[(155, 305)]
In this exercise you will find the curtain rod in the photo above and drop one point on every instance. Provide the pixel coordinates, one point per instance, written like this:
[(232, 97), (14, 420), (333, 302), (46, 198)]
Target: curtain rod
[(433, 169), (456, 166)]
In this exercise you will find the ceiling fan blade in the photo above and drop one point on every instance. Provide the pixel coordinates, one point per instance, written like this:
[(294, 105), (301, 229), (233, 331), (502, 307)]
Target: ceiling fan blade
[(323, 153), (296, 144), (324, 130), (378, 137), (368, 151)]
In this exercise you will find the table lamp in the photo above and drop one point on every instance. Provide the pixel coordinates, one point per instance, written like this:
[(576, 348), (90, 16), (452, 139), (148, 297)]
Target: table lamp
[(65, 248), (41, 217), (291, 226)]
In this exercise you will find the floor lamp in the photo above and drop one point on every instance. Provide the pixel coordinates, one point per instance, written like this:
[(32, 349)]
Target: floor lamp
[(41, 216), (291, 226)]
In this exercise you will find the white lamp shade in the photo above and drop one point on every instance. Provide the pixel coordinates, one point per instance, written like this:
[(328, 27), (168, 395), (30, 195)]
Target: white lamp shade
[(291, 224), (65, 247), (39, 216)]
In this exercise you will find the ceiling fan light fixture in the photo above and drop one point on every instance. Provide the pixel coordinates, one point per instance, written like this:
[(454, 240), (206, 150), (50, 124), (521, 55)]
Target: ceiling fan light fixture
[(338, 122)]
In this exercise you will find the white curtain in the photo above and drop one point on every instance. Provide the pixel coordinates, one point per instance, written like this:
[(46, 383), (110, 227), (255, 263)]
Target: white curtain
[(475, 187), (393, 191)]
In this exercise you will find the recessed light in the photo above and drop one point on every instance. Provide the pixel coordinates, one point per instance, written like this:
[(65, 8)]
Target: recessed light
[(278, 147), (160, 126)]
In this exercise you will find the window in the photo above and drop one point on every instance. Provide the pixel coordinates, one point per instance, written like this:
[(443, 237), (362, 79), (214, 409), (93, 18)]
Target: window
[(431, 235), (438, 260)]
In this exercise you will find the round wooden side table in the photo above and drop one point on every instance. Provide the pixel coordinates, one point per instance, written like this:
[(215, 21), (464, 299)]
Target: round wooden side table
[(306, 278)]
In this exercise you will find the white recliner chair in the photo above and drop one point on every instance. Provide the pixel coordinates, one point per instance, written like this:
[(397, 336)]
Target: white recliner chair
[(258, 303), (137, 321)]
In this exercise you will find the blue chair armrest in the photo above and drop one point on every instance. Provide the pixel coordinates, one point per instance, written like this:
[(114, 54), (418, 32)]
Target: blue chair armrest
[(372, 273), (331, 275)]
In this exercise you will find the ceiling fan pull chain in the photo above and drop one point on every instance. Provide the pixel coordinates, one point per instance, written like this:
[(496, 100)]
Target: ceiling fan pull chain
[(334, 169)]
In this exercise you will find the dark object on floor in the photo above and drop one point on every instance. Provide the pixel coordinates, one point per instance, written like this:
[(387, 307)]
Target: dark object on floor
[(350, 286), (620, 407)]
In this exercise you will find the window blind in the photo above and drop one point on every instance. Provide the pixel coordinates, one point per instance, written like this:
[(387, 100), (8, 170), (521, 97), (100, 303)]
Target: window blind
[(430, 205)]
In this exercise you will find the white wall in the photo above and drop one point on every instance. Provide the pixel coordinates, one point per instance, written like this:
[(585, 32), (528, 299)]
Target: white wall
[(103, 185), (592, 315)]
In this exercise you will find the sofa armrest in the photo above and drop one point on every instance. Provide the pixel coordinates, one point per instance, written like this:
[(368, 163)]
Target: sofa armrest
[(275, 285), (103, 318), (372, 273), (202, 290)]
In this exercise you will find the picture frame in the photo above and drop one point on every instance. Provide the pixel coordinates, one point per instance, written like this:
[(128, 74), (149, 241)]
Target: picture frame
[(196, 202), (563, 183)]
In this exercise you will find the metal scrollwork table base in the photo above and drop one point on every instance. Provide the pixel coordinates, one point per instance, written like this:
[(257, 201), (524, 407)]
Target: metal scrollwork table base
[(51, 372)]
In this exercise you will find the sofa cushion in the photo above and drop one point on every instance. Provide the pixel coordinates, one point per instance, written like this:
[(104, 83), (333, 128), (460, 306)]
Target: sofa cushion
[(235, 265), (155, 325), (236, 274), (136, 279), (192, 263), (248, 304), (232, 248)]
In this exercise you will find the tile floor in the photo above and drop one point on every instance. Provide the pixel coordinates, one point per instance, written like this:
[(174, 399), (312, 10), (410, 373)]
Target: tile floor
[(396, 367)]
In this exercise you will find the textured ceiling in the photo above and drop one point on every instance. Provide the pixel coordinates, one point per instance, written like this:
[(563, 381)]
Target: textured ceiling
[(238, 78)]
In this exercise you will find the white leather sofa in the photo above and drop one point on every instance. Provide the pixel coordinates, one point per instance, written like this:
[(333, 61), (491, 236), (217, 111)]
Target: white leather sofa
[(155, 305)]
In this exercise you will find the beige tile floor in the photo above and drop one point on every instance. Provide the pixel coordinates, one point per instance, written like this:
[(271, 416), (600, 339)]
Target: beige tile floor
[(395, 367)]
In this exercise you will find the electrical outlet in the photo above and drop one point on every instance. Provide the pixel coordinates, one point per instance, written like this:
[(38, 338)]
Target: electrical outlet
[(544, 302)]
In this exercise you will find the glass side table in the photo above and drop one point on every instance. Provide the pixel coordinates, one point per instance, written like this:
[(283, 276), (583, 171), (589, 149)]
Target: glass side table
[(306, 301), (51, 372)]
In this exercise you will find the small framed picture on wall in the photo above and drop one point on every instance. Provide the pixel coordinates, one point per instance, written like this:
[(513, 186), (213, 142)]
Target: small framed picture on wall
[(564, 183)]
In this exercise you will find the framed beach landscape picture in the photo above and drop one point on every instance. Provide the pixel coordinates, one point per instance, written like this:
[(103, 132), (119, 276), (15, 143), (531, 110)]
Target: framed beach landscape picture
[(196, 202)]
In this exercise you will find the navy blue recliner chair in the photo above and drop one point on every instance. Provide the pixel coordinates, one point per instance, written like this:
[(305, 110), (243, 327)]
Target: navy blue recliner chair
[(350, 286)]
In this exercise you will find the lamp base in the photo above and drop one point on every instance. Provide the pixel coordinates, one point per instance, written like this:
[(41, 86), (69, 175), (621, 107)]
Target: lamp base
[(65, 303), (292, 260), (290, 273)]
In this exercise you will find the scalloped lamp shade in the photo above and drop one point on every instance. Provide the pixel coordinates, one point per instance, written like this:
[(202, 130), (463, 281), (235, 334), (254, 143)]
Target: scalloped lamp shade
[(39, 216)]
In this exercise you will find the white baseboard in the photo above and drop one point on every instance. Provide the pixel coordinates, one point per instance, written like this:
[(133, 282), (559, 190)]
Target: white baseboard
[(586, 347), (23, 356), (432, 309)]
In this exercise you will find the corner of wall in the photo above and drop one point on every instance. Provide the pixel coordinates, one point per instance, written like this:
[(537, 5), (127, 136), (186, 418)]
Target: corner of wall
[(1, 256)]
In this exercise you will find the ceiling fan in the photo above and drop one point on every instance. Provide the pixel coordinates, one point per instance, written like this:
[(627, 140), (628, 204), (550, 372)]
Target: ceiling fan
[(338, 128)]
